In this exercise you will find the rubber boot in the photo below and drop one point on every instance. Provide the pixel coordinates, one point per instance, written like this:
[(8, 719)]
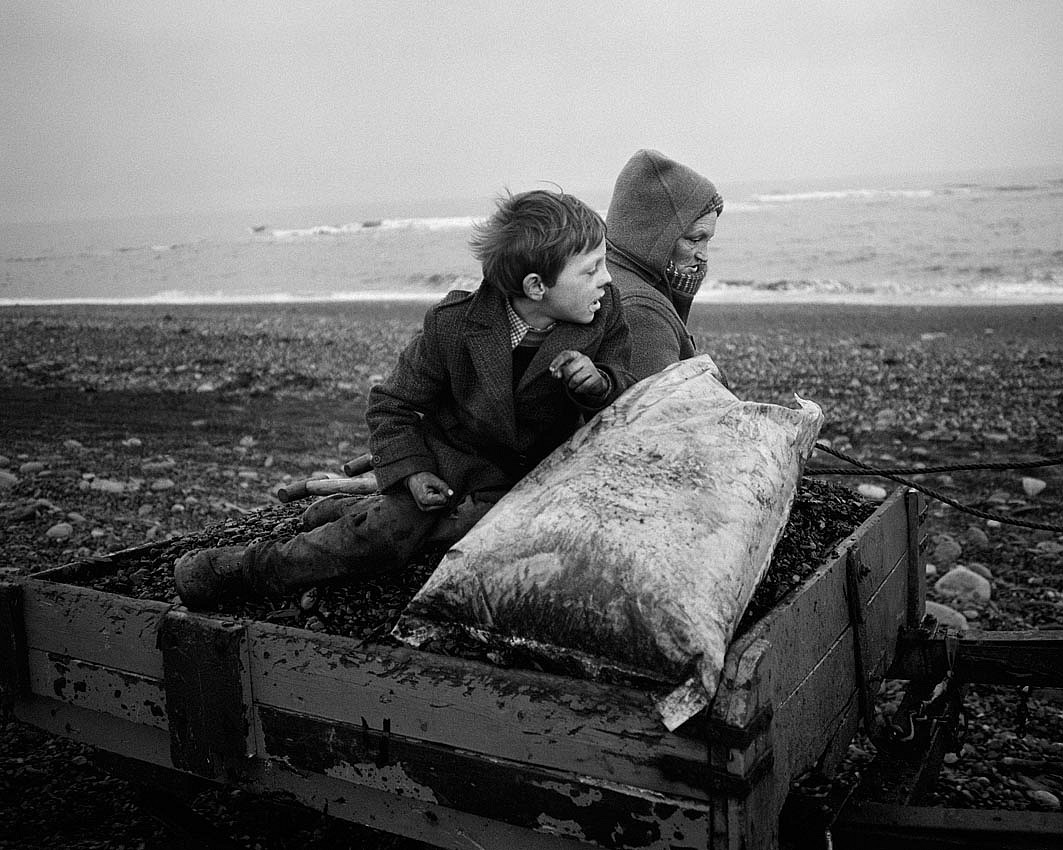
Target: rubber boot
[(378, 536), (206, 577)]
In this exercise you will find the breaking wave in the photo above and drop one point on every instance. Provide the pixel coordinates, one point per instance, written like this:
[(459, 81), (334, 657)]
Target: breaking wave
[(369, 226), (431, 288), (844, 195)]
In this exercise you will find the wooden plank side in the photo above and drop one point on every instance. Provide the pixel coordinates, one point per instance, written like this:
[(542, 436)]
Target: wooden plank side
[(885, 616), (836, 747), (1033, 658), (580, 807), (753, 823), (766, 663), (124, 695), (14, 665), (421, 821), (874, 825), (811, 726), (544, 720), (208, 698), (801, 745), (101, 628), (809, 715), (105, 731), (802, 731), (915, 504)]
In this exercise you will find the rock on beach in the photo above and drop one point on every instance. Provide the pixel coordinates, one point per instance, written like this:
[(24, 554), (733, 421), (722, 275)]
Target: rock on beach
[(872, 491), (947, 551), (964, 586), (946, 616), (1033, 486), (107, 485), (976, 538), (60, 531)]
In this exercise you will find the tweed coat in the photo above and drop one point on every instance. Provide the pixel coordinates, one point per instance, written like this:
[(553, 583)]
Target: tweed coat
[(654, 201), (450, 407)]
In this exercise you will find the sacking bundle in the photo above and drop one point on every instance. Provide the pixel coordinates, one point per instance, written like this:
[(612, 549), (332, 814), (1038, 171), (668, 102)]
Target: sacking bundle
[(638, 543)]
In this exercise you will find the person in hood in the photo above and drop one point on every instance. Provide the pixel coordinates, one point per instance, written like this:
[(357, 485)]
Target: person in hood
[(659, 223)]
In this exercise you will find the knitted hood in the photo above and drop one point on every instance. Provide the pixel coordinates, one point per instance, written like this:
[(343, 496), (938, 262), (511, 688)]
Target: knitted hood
[(654, 201)]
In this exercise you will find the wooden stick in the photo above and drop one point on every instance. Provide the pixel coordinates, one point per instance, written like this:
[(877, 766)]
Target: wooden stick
[(360, 485), (359, 465)]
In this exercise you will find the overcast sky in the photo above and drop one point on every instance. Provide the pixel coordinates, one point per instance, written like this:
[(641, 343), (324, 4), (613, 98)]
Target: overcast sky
[(114, 108)]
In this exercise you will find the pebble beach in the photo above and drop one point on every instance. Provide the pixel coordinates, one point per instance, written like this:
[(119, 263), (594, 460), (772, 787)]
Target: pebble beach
[(126, 424)]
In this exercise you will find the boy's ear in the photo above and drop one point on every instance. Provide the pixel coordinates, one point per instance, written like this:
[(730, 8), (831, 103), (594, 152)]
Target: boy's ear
[(533, 286)]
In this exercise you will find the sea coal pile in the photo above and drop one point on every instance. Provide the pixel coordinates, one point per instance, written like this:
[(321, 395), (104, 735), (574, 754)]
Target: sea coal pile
[(823, 514)]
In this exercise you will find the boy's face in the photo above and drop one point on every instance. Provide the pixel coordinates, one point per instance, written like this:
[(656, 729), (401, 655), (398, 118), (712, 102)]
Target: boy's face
[(577, 295)]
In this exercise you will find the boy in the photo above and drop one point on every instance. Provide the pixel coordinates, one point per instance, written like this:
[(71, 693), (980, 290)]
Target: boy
[(494, 381)]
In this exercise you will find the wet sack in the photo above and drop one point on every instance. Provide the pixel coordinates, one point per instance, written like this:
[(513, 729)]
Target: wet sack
[(635, 547)]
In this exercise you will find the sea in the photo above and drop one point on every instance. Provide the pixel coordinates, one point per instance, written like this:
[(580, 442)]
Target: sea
[(958, 237)]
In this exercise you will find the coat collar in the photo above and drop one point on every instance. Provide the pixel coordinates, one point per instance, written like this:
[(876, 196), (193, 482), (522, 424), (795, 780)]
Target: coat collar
[(487, 340)]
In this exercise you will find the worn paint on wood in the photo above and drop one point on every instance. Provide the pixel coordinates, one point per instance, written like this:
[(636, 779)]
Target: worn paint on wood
[(427, 822), (536, 799), (801, 661), (135, 698), (768, 662), (102, 730), (103, 628), (809, 714), (545, 720), (208, 693)]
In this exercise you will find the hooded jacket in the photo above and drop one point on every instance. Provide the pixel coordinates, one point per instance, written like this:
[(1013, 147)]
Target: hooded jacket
[(654, 201)]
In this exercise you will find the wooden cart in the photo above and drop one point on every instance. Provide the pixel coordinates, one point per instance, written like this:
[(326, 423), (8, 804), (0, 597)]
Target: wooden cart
[(463, 754)]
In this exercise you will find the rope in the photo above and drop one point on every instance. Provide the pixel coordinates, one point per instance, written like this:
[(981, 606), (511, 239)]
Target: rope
[(922, 470), (941, 497)]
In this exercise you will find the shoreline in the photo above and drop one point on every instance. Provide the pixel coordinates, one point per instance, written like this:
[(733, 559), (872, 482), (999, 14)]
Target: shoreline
[(709, 321)]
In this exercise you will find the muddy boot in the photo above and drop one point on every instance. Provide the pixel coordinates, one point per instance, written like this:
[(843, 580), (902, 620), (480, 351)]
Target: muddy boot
[(376, 537), (206, 577)]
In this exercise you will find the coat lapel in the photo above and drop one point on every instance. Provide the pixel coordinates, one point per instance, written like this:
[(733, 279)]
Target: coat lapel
[(487, 340)]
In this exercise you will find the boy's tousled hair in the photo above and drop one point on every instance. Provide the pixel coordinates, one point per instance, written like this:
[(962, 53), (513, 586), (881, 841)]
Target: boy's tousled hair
[(533, 232)]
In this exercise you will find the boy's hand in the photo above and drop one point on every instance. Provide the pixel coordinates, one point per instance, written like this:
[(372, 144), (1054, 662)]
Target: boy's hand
[(579, 373), (429, 491)]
